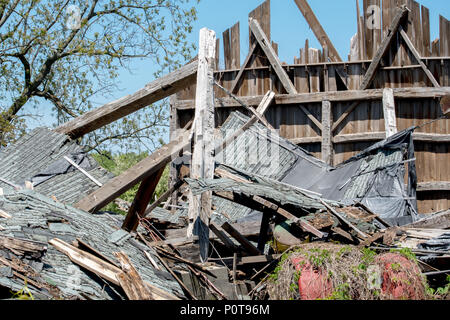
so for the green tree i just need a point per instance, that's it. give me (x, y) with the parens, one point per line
(69, 51)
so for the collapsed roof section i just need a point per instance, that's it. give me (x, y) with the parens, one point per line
(37, 219)
(375, 177)
(39, 157)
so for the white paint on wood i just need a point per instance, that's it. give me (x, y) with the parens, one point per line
(202, 165)
(390, 120)
(327, 144)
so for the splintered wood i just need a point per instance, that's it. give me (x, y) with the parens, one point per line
(202, 157)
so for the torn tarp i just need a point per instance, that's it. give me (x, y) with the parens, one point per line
(62, 166)
(374, 177)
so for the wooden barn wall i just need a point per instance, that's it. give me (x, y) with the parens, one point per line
(310, 73)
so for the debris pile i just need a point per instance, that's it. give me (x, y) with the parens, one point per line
(248, 214)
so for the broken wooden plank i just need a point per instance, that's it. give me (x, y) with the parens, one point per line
(125, 181)
(275, 62)
(82, 245)
(248, 246)
(304, 225)
(418, 57)
(21, 246)
(318, 30)
(141, 200)
(181, 283)
(343, 220)
(88, 261)
(163, 197)
(76, 166)
(130, 280)
(110, 112)
(103, 269)
(371, 239)
(178, 258)
(258, 259)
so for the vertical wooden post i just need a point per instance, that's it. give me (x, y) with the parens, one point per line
(174, 126)
(202, 165)
(327, 145)
(267, 214)
(389, 112)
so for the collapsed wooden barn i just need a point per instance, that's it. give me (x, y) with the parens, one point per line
(359, 117)
(334, 108)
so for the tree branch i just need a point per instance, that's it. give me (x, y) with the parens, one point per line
(49, 95)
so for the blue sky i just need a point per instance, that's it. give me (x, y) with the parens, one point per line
(289, 30)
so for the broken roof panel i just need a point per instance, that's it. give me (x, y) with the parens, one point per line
(38, 218)
(39, 157)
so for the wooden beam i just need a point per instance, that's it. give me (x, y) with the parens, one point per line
(130, 280)
(305, 226)
(237, 80)
(434, 186)
(390, 120)
(264, 229)
(327, 142)
(318, 97)
(202, 165)
(311, 117)
(223, 237)
(319, 32)
(370, 74)
(343, 220)
(438, 220)
(418, 57)
(125, 181)
(21, 245)
(264, 43)
(376, 136)
(163, 197)
(359, 137)
(247, 245)
(431, 137)
(110, 112)
(88, 261)
(306, 140)
(141, 201)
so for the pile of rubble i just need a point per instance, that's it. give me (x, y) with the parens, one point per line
(283, 225)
